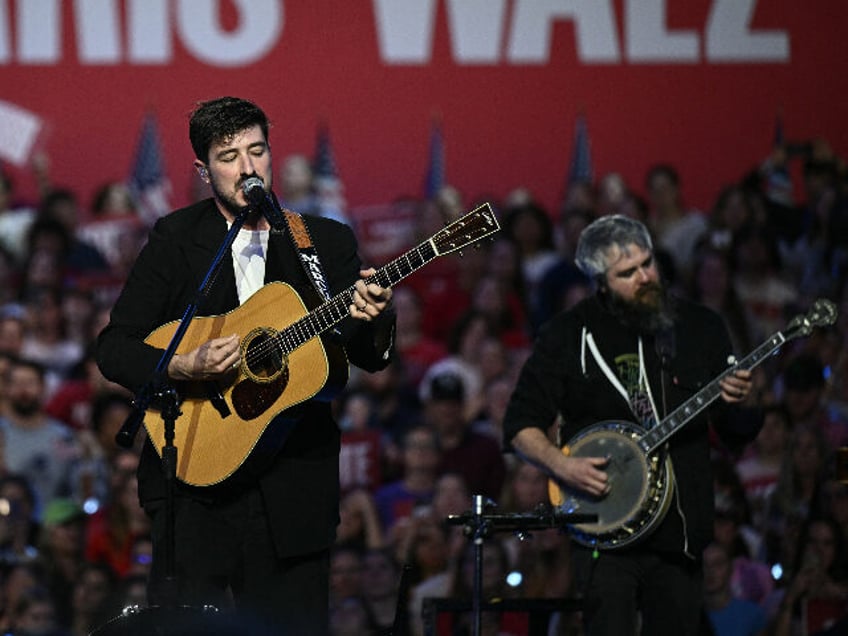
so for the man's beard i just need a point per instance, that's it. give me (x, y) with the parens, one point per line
(651, 312)
(25, 407)
(227, 200)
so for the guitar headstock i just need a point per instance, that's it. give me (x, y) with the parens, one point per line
(822, 314)
(479, 223)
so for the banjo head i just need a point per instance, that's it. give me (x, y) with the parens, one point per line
(639, 493)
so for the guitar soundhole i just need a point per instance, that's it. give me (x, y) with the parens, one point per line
(263, 356)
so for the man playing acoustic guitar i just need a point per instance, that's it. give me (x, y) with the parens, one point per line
(630, 353)
(258, 533)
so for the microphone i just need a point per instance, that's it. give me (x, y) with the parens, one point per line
(261, 201)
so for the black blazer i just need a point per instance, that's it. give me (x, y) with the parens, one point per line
(300, 481)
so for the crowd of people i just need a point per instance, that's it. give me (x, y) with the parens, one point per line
(75, 542)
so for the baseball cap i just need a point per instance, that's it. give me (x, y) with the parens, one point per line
(447, 387)
(62, 511)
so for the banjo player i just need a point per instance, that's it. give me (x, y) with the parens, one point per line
(631, 352)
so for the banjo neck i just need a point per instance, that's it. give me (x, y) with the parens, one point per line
(684, 413)
(822, 313)
(644, 479)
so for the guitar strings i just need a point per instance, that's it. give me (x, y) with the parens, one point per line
(305, 325)
(265, 348)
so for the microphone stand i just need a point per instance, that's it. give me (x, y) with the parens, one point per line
(478, 525)
(159, 392)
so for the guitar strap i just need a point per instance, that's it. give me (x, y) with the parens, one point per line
(307, 252)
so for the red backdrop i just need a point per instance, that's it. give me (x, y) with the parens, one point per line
(698, 84)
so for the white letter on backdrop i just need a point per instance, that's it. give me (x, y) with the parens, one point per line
(648, 40)
(149, 32)
(476, 29)
(594, 30)
(39, 31)
(97, 27)
(259, 25)
(730, 38)
(405, 30)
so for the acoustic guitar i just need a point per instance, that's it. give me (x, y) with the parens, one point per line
(639, 470)
(285, 360)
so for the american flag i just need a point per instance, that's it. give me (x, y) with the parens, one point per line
(581, 156)
(147, 182)
(778, 180)
(435, 179)
(324, 162)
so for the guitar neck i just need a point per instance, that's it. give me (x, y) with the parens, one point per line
(684, 413)
(333, 311)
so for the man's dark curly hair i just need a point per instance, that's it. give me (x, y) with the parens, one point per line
(219, 120)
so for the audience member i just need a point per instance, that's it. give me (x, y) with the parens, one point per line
(420, 460)
(804, 394)
(475, 456)
(115, 228)
(36, 446)
(17, 579)
(525, 489)
(416, 350)
(530, 228)
(61, 550)
(73, 400)
(677, 230)
(765, 296)
(13, 328)
(712, 285)
(802, 472)
(351, 617)
(759, 469)
(345, 572)
(114, 528)
(731, 212)
(34, 614)
(729, 616)
(380, 579)
(46, 340)
(80, 258)
(18, 526)
(9, 274)
(816, 594)
(296, 192)
(563, 278)
(90, 598)
(359, 522)
(751, 578)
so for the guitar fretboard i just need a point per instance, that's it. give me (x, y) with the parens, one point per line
(332, 312)
(658, 435)
(479, 223)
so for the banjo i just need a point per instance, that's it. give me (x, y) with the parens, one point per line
(641, 476)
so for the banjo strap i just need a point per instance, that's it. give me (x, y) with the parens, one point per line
(646, 419)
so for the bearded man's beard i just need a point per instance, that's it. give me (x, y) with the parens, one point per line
(650, 312)
(24, 407)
